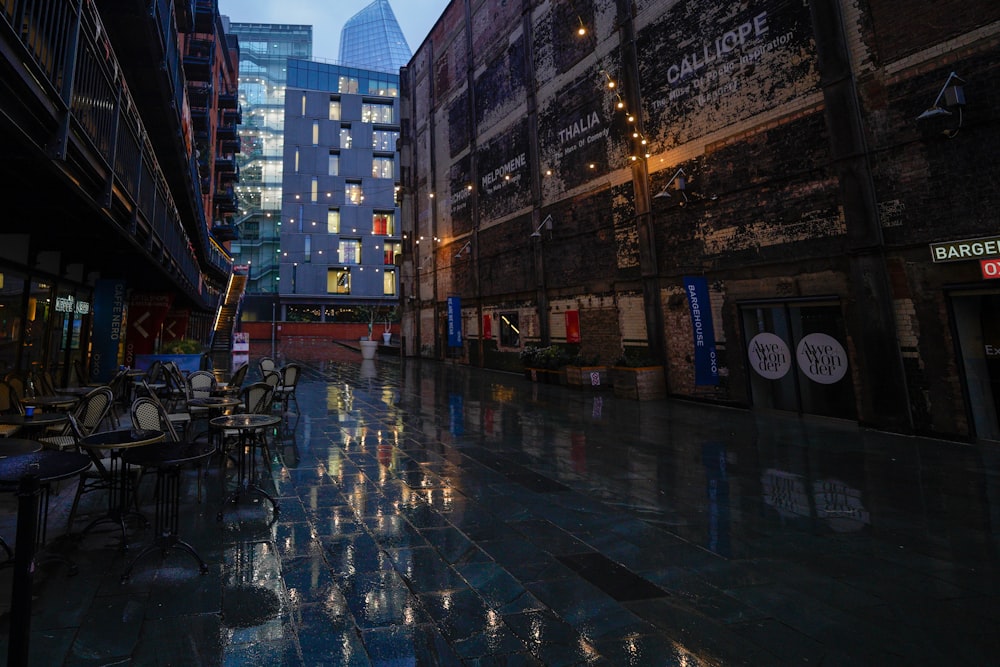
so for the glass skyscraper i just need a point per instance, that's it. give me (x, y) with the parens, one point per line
(371, 39)
(264, 53)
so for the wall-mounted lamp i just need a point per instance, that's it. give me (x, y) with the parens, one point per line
(679, 181)
(546, 223)
(466, 249)
(951, 96)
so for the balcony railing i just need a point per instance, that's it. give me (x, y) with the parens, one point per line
(106, 120)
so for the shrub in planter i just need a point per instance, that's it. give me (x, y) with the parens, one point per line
(638, 378)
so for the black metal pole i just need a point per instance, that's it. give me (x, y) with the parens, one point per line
(28, 492)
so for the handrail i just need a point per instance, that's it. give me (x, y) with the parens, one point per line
(88, 83)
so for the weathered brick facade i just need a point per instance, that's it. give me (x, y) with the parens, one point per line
(811, 193)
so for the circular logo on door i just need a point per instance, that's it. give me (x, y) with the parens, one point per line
(821, 358)
(769, 356)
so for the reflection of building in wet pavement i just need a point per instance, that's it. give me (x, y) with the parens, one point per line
(838, 504)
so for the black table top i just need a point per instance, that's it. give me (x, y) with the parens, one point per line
(38, 419)
(213, 402)
(122, 438)
(16, 446)
(47, 465)
(245, 421)
(165, 454)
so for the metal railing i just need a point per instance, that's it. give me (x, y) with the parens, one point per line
(71, 57)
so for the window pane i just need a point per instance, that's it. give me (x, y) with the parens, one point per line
(389, 283)
(334, 109)
(345, 136)
(333, 221)
(510, 335)
(382, 167)
(384, 140)
(383, 223)
(338, 281)
(315, 133)
(350, 251)
(334, 169)
(353, 193)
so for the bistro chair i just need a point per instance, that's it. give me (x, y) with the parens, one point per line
(285, 391)
(86, 418)
(9, 405)
(179, 419)
(265, 365)
(236, 381)
(149, 414)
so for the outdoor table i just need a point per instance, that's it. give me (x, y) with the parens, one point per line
(213, 405)
(247, 425)
(55, 402)
(167, 458)
(37, 422)
(76, 391)
(45, 466)
(16, 446)
(115, 471)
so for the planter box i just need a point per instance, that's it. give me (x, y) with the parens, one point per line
(588, 377)
(644, 383)
(188, 363)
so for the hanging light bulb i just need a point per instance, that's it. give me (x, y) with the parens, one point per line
(582, 30)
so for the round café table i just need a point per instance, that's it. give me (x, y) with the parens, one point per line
(76, 391)
(46, 466)
(36, 423)
(214, 406)
(249, 427)
(114, 471)
(168, 459)
(55, 402)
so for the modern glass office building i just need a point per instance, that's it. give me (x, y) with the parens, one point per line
(264, 52)
(372, 39)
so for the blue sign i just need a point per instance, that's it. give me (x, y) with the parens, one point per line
(706, 363)
(108, 332)
(454, 321)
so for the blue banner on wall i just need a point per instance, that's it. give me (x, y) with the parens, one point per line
(706, 365)
(454, 321)
(109, 314)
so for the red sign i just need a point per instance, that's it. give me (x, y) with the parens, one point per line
(990, 268)
(572, 326)
(146, 312)
(487, 327)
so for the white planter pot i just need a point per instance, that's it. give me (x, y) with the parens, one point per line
(386, 337)
(368, 349)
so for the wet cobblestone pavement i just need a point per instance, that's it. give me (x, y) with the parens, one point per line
(432, 514)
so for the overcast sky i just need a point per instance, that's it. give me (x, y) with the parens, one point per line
(327, 17)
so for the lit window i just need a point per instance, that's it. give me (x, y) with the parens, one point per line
(383, 223)
(389, 283)
(345, 136)
(373, 112)
(307, 248)
(334, 109)
(353, 193)
(384, 140)
(393, 253)
(383, 167)
(334, 168)
(338, 281)
(333, 221)
(315, 133)
(350, 251)
(314, 190)
(303, 112)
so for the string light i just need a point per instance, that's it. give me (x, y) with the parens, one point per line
(582, 30)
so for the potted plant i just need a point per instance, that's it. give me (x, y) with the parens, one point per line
(545, 364)
(638, 378)
(369, 346)
(390, 316)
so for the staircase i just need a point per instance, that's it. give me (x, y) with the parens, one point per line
(225, 322)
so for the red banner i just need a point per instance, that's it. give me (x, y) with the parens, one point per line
(487, 327)
(146, 312)
(572, 326)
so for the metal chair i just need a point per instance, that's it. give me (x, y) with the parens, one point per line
(86, 418)
(265, 365)
(236, 381)
(9, 405)
(285, 391)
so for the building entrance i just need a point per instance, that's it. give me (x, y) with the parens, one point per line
(797, 358)
(977, 324)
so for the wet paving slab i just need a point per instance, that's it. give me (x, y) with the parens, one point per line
(434, 514)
